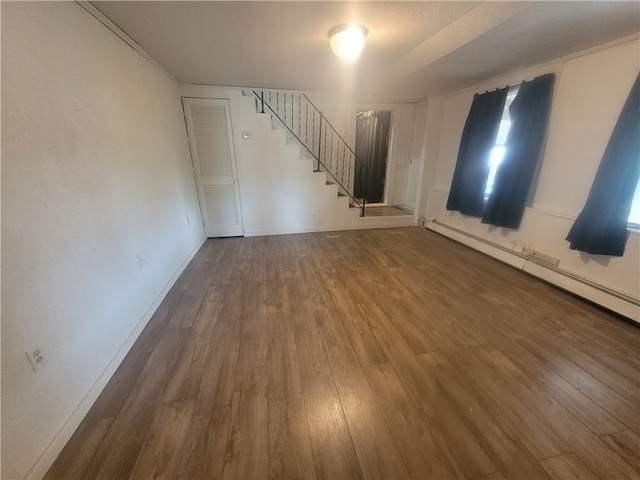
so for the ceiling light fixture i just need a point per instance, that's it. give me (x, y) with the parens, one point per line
(347, 41)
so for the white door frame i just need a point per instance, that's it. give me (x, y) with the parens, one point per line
(218, 191)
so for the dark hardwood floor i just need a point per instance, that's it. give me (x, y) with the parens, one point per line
(392, 353)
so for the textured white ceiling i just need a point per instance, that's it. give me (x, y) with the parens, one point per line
(414, 49)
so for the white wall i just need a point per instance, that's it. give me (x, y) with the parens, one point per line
(95, 169)
(279, 191)
(429, 159)
(590, 90)
(339, 110)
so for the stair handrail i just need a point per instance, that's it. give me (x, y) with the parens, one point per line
(318, 155)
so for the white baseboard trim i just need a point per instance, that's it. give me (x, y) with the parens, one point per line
(49, 456)
(362, 223)
(565, 280)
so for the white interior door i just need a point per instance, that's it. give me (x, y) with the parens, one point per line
(415, 158)
(413, 175)
(214, 162)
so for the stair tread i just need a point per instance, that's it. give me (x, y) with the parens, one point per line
(290, 140)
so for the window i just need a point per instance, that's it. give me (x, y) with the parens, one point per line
(599, 228)
(525, 120)
(497, 153)
(634, 216)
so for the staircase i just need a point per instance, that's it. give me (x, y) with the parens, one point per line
(307, 127)
(322, 156)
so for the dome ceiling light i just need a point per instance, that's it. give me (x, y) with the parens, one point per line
(347, 41)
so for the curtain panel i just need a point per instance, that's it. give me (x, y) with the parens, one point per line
(472, 166)
(529, 114)
(372, 147)
(601, 227)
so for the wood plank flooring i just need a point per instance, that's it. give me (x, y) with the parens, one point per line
(386, 354)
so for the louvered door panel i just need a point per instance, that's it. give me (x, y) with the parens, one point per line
(209, 125)
(211, 137)
(220, 201)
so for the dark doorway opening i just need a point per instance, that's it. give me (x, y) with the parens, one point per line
(372, 147)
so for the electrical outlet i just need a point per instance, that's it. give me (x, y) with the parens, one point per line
(143, 258)
(36, 359)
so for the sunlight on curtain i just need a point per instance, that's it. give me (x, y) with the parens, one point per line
(634, 216)
(497, 153)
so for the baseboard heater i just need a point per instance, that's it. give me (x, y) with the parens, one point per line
(541, 259)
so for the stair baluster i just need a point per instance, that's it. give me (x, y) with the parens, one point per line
(331, 160)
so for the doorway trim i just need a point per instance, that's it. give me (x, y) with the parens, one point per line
(373, 167)
(392, 160)
(222, 184)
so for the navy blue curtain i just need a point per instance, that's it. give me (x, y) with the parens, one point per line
(372, 147)
(601, 227)
(472, 167)
(529, 114)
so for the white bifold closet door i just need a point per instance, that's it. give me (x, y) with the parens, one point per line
(214, 163)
